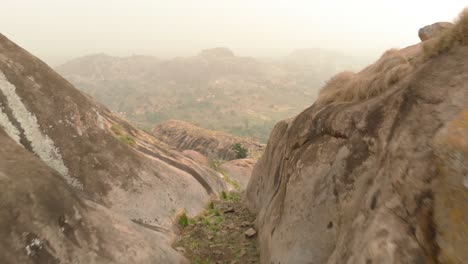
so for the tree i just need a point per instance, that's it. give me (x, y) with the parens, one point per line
(240, 151)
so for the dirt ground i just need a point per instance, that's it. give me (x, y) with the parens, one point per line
(217, 236)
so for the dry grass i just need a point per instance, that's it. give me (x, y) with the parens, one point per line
(373, 80)
(456, 36)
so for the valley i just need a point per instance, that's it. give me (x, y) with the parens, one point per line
(215, 90)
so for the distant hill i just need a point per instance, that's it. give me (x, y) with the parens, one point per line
(215, 89)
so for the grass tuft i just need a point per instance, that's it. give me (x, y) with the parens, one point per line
(390, 69)
(183, 220)
(122, 135)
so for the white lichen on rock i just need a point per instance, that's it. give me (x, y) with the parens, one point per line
(41, 144)
(34, 246)
(8, 127)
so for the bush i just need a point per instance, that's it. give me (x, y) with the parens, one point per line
(183, 220)
(240, 151)
(122, 135)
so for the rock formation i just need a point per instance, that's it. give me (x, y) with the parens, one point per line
(433, 30)
(213, 144)
(375, 170)
(79, 183)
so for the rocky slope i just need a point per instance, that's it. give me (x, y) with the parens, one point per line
(375, 170)
(213, 144)
(216, 89)
(75, 178)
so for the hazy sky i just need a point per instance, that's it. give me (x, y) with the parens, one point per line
(58, 30)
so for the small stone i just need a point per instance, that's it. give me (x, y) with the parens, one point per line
(181, 250)
(210, 237)
(229, 210)
(242, 253)
(245, 224)
(250, 233)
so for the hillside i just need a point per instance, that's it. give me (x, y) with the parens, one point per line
(79, 184)
(375, 170)
(216, 89)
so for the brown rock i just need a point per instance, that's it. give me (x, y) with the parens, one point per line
(97, 155)
(250, 233)
(433, 30)
(245, 224)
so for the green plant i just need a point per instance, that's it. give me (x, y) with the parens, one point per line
(183, 220)
(204, 261)
(122, 135)
(241, 152)
(224, 195)
(216, 165)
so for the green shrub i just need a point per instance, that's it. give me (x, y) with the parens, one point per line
(224, 195)
(241, 152)
(183, 220)
(122, 135)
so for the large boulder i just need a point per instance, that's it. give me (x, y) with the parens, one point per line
(105, 161)
(353, 179)
(433, 30)
(43, 220)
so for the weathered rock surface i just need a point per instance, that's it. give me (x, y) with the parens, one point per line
(433, 30)
(356, 182)
(239, 170)
(43, 220)
(213, 144)
(127, 171)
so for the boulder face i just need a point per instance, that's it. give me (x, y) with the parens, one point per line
(239, 171)
(433, 30)
(121, 170)
(43, 220)
(379, 177)
(213, 144)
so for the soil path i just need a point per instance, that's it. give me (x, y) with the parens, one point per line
(218, 236)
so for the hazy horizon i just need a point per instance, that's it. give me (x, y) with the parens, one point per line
(57, 31)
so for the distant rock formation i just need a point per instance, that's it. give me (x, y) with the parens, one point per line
(213, 144)
(433, 30)
(78, 182)
(376, 172)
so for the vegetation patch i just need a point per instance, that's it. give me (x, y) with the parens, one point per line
(217, 235)
(389, 70)
(241, 152)
(123, 136)
(216, 165)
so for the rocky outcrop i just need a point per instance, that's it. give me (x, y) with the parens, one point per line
(372, 174)
(239, 171)
(124, 173)
(433, 30)
(43, 220)
(213, 144)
